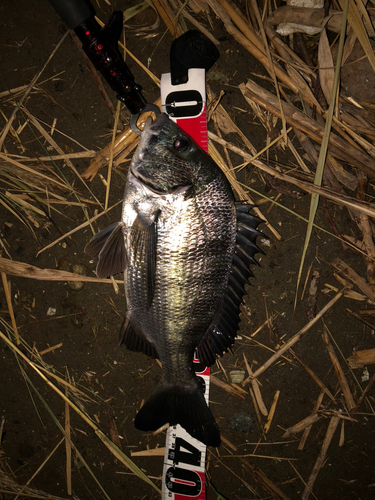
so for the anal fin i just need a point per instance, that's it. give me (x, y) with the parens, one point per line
(134, 339)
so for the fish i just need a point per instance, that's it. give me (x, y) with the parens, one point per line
(185, 247)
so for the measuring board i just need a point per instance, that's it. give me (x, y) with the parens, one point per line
(185, 456)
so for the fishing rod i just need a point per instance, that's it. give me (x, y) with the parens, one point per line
(183, 97)
(101, 47)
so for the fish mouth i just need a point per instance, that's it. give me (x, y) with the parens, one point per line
(143, 156)
(151, 128)
(156, 126)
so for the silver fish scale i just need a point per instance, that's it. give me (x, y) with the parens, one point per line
(195, 244)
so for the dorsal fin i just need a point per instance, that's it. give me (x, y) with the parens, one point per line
(220, 335)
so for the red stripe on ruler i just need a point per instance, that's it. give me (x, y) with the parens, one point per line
(196, 127)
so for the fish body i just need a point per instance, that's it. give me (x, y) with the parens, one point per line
(177, 244)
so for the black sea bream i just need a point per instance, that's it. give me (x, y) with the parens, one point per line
(185, 248)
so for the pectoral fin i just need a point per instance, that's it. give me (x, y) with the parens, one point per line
(143, 236)
(109, 246)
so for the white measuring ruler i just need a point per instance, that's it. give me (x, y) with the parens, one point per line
(185, 456)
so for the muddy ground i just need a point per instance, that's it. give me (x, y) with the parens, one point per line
(87, 321)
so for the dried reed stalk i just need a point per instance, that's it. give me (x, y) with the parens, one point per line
(264, 482)
(228, 443)
(306, 432)
(359, 318)
(256, 389)
(50, 349)
(28, 90)
(230, 389)
(81, 226)
(302, 425)
(232, 472)
(8, 299)
(155, 452)
(367, 312)
(319, 462)
(105, 440)
(256, 406)
(340, 374)
(247, 38)
(15, 268)
(200, 26)
(168, 17)
(359, 359)
(127, 139)
(308, 187)
(337, 146)
(54, 144)
(46, 180)
(255, 9)
(365, 392)
(316, 379)
(89, 153)
(294, 339)
(68, 448)
(354, 18)
(24, 490)
(351, 275)
(238, 188)
(267, 425)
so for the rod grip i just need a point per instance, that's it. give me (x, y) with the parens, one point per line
(72, 12)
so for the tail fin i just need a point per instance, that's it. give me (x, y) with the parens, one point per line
(189, 409)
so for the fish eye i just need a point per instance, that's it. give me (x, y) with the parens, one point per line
(182, 145)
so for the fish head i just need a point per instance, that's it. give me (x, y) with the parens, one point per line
(168, 160)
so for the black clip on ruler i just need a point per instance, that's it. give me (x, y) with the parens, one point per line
(183, 98)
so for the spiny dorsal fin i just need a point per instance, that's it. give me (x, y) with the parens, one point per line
(109, 246)
(220, 336)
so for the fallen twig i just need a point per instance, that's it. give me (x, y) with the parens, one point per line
(359, 318)
(230, 388)
(359, 359)
(350, 274)
(319, 462)
(365, 392)
(272, 412)
(294, 339)
(28, 271)
(28, 90)
(264, 482)
(256, 389)
(339, 372)
(302, 425)
(8, 298)
(306, 432)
